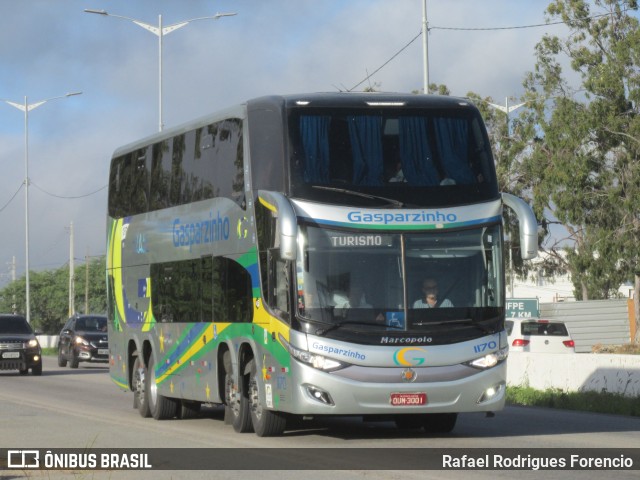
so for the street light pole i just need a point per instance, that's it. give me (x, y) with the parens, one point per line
(26, 107)
(160, 32)
(507, 109)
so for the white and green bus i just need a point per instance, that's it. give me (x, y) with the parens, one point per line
(273, 258)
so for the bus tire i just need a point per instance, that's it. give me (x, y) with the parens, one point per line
(161, 407)
(439, 422)
(188, 409)
(266, 423)
(236, 407)
(140, 399)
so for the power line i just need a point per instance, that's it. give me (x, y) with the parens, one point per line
(387, 62)
(67, 197)
(537, 25)
(11, 199)
(497, 28)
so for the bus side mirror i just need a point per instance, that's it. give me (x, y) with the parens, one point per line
(287, 221)
(528, 225)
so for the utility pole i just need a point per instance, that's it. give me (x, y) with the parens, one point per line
(86, 283)
(13, 268)
(72, 293)
(12, 274)
(425, 47)
(13, 279)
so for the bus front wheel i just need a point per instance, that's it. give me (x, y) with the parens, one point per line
(439, 422)
(236, 408)
(266, 423)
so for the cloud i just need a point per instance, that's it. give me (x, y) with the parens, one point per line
(280, 46)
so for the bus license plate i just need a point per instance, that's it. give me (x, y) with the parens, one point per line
(11, 355)
(408, 399)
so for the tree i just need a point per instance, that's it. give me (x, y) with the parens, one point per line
(49, 295)
(583, 168)
(95, 288)
(508, 146)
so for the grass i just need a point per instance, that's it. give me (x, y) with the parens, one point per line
(627, 349)
(596, 402)
(50, 352)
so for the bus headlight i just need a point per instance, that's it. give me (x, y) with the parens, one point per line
(312, 359)
(490, 360)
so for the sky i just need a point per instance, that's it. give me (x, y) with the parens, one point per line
(49, 48)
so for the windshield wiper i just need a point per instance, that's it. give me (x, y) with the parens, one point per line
(464, 321)
(333, 326)
(395, 203)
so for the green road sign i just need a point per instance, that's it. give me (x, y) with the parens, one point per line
(522, 307)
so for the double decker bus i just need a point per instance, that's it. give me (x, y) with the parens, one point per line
(277, 257)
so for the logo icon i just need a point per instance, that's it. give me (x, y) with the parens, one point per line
(23, 458)
(408, 375)
(409, 356)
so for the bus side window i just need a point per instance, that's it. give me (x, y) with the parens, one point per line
(232, 291)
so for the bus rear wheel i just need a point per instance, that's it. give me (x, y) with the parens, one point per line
(266, 423)
(140, 399)
(161, 407)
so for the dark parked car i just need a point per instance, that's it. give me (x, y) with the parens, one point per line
(83, 339)
(19, 347)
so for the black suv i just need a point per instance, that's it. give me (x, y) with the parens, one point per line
(83, 339)
(19, 347)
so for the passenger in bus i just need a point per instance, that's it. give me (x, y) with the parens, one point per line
(398, 175)
(355, 298)
(430, 296)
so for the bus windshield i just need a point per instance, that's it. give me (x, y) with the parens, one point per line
(403, 281)
(405, 153)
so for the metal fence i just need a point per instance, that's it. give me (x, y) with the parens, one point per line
(592, 322)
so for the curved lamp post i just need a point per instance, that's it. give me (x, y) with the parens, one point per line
(160, 32)
(26, 107)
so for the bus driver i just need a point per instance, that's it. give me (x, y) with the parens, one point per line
(430, 292)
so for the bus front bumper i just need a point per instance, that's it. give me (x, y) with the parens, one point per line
(359, 390)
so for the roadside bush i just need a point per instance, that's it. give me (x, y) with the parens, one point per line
(628, 349)
(597, 402)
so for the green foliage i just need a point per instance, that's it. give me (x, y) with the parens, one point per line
(598, 402)
(49, 295)
(581, 167)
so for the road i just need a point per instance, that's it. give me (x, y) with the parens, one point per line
(82, 408)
